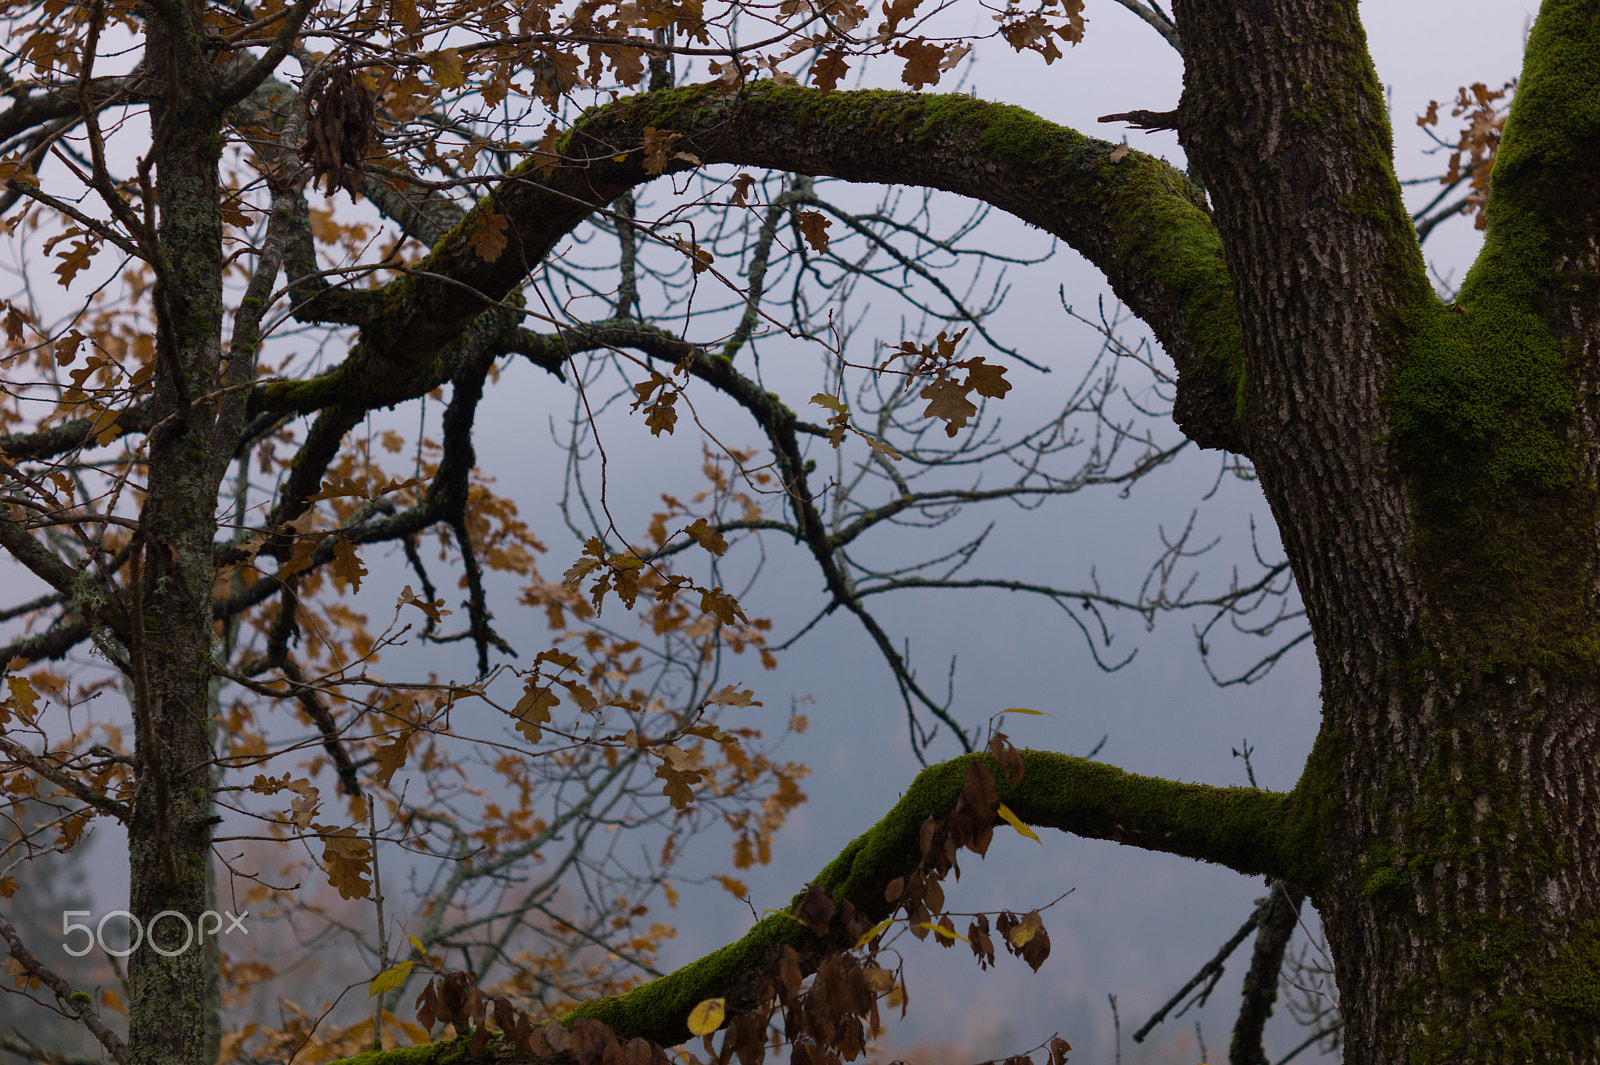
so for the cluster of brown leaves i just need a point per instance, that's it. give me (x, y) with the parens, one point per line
(454, 998)
(948, 398)
(341, 124)
(1473, 154)
(832, 1018)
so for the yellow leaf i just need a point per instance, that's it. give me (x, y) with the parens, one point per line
(105, 427)
(941, 930)
(869, 934)
(1015, 822)
(707, 1017)
(22, 696)
(1021, 710)
(390, 978)
(417, 944)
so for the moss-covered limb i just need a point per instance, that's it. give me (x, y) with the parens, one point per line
(1142, 222)
(1138, 219)
(1245, 829)
(1495, 407)
(1546, 169)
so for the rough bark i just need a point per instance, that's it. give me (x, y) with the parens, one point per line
(170, 635)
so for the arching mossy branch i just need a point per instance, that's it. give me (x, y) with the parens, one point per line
(1141, 221)
(1245, 829)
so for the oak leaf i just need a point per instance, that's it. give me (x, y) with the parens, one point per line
(707, 537)
(949, 401)
(346, 563)
(391, 756)
(814, 227)
(826, 72)
(447, 68)
(533, 709)
(986, 379)
(922, 62)
(349, 861)
(488, 237)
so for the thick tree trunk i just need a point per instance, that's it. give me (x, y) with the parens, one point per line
(1431, 470)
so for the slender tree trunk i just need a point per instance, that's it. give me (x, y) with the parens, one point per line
(188, 451)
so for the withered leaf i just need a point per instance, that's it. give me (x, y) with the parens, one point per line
(949, 401)
(488, 237)
(826, 72)
(814, 227)
(922, 62)
(816, 910)
(707, 537)
(348, 858)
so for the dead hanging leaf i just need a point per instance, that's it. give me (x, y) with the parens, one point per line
(948, 400)
(662, 416)
(741, 190)
(826, 72)
(447, 68)
(656, 148)
(25, 980)
(644, 389)
(677, 780)
(707, 537)
(816, 910)
(348, 858)
(839, 421)
(488, 237)
(985, 379)
(435, 610)
(1007, 757)
(16, 320)
(533, 709)
(732, 695)
(391, 756)
(559, 659)
(814, 227)
(922, 62)
(724, 606)
(347, 565)
(75, 259)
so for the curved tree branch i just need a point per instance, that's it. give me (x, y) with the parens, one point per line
(1246, 829)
